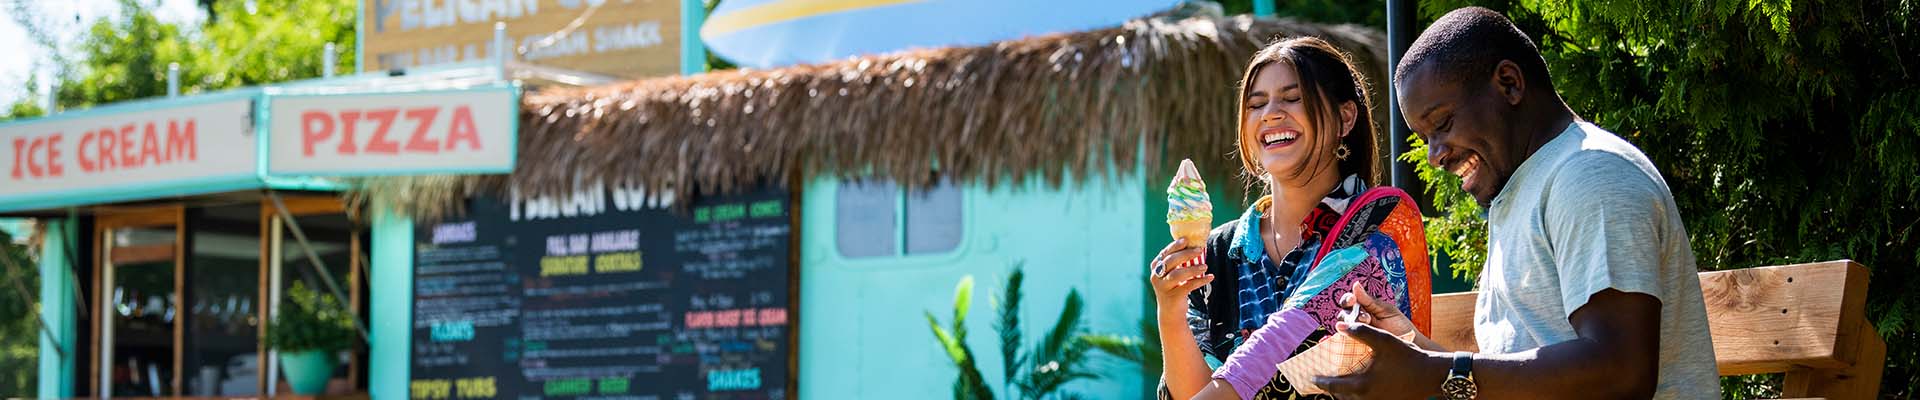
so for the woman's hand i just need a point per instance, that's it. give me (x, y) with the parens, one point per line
(1172, 276)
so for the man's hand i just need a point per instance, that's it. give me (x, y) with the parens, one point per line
(1383, 315)
(1398, 370)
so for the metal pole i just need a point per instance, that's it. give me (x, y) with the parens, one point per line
(173, 79)
(1263, 8)
(326, 61)
(693, 52)
(1400, 35)
(501, 52)
(53, 96)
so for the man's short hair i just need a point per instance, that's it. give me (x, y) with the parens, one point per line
(1467, 43)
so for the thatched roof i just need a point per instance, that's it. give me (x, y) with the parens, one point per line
(1057, 107)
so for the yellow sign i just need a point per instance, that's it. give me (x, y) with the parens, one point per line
(623, 38)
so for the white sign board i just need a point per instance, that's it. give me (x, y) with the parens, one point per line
(457, 131)
(151, 151)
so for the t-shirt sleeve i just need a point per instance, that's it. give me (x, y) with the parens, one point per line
(1602, 218)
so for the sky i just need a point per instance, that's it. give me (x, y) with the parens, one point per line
(68, 20)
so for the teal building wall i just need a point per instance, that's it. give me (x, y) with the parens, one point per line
(863, 332)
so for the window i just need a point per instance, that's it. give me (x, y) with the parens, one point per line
(185, 293)
(877, 218)
(863, 218)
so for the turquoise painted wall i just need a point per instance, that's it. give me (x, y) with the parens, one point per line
(390, 282)
(58, 310)
(862, 331)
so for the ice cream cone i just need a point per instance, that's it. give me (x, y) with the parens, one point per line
(1194, 231)
(1189, 209)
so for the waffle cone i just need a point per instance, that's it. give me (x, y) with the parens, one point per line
(1194, 231)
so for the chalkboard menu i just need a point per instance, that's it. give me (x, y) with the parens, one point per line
(605, 295)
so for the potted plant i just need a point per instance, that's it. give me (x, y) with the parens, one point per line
(309, 332)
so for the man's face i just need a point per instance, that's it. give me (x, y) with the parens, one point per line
(1466, 126)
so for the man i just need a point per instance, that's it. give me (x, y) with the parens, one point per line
(1589, 290)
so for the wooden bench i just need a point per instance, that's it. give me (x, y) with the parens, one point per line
(1806, 320)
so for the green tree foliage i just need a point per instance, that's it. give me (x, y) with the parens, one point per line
(243, 43)
(1786, 129)
(19, 319)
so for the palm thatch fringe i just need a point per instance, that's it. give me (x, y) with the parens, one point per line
(1057, 108)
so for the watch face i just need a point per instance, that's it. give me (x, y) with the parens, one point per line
(1459, 388)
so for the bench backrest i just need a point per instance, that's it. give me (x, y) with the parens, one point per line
(1808, 320)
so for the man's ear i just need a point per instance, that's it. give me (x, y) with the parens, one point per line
(1509, 82)
(1349, 113)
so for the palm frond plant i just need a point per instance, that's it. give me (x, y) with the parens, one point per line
(1041, 371)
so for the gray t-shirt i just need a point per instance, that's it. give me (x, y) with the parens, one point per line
(1586, 213)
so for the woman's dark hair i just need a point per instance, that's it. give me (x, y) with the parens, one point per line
(1327, 80)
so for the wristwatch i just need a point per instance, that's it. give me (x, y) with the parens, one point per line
(1459, 384)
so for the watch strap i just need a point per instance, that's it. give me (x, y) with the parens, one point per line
(1462, 365)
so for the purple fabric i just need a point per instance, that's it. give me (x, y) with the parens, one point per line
(1252, 365)
(1325, 306)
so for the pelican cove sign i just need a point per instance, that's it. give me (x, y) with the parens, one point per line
(624, 38)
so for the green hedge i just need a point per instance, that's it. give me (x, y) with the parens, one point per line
(1787, 129)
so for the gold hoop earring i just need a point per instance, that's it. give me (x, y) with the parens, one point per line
(1341, 152)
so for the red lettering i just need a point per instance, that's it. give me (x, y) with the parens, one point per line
(86, 164)
(33, 150)
(126, 149)
(53, 156)
(149, 146)
(699, 319)
(463, 129)
(107, 142)
(773, 316)
(419, 141)
(314, 127)
(379, 142)
(347, 121)
(19, 156)
(181, 142)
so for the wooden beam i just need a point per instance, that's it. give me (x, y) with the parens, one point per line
(1860, 381)
(99, 242)
(261, 300)
(1777, 319)
(359, 347)
(182, 313)
(1764, 320)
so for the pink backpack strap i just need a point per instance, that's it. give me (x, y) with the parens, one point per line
(1346, 218)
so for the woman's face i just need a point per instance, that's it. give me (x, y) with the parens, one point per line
(1275, 129)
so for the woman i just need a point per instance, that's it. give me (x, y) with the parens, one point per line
(1304, 134)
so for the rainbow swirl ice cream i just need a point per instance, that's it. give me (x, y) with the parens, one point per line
(1189, 209)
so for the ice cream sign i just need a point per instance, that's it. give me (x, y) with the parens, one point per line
(137, 147)
(461, 131)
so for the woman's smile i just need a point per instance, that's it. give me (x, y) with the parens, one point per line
(1275, 138)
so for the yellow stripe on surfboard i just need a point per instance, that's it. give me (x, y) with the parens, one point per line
(781, 11)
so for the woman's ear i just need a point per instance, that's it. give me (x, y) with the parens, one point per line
(1349, 114)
